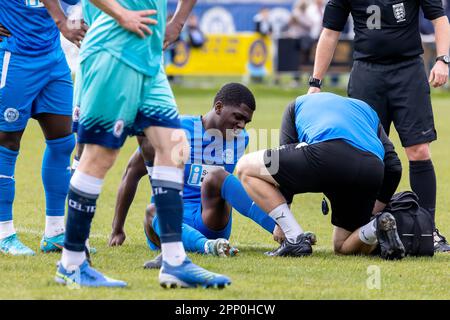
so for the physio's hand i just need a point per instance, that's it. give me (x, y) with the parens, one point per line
(73, 30)
(4, 32)
(278, 234)
(173, 30)
(439, 74)
(313, 90)
(137, 21)
(117, 238)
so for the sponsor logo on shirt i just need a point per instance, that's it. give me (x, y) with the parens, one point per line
(34, 3)
(199, 172)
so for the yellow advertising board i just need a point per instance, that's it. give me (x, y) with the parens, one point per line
(223, 55)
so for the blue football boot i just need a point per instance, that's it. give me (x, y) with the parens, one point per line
(13, 246)
(189, 275)
(52, 244)
(85, 276)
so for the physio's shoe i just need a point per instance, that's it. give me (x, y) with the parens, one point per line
(189, 275)
(13, 246)
(52, 244)
(155, 263)
(220, 247)
(440, 243)
(301, 247)
(390, 244)
(311, 236)
(85, 276)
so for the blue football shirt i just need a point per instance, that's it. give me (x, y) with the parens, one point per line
(326, 116)
(33, 31)
(208, 152)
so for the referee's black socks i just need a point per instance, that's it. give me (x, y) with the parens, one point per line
(423, 182)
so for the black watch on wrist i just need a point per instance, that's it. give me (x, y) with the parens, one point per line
(445, 59)
(314, 82)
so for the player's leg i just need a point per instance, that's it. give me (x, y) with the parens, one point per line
(105, 120)
(9, 151)
(220, 191)
(193, 240)
(53, 110)
(55, 176)
(258, 172)
(20, 83)
(159, 115)
(413, 119)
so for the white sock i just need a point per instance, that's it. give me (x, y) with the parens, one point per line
(75, 164)
(285, 219)
(6, 229)
(149, 171)
(368, 233)
(54, 226)
(86, 183)
(173, 253)
(72, 260)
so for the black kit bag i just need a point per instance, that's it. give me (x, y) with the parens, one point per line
(414, 224)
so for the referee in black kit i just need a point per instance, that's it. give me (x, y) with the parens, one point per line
(388, 73)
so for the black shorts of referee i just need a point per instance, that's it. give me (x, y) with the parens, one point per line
(349, 177)
(400, 94)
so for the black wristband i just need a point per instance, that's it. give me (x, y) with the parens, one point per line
(314, 82)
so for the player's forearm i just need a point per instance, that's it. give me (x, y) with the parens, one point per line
(55, 11)
(110, 7)
(325, 50)
(442, 34)
(184, 8)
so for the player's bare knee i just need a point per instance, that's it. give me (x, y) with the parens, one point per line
(150, 213)
(418, 152)
(213, 182)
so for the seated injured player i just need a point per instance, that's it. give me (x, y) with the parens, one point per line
(337, 146)
(218, 139)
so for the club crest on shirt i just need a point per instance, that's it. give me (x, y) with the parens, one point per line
(11, 115)
(399, 12)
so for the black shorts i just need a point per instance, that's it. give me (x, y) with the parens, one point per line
(399, 93)
(349, 177)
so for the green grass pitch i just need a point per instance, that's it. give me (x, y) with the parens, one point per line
(254, 276)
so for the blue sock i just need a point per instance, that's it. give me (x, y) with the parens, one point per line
(56, 174)
(193, 240)
(234, 193)
(169, 205)
(7, 183)
(81, 210)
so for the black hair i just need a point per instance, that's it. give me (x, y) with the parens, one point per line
(234, 94)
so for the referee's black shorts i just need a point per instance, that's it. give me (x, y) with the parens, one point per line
(399, 93)
(350, 178)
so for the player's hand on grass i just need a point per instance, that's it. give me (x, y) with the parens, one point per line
(4, 32)
(313, 90)
(137, 21)
(173, 30)
(73, 30)
(117, 238)
(278, 234)
(439, 74)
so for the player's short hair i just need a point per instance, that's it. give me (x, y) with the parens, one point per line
(234, 94)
